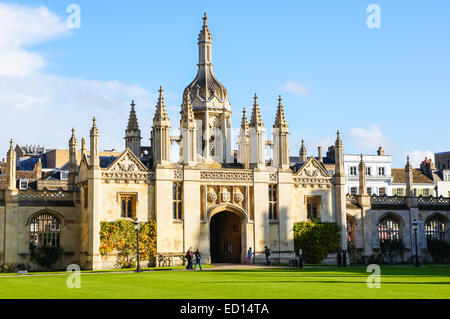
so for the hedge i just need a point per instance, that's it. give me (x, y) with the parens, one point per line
(316, 240)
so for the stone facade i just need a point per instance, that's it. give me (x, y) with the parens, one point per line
(215, 199)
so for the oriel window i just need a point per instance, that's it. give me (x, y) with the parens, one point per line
(177, 201)
(273, 196)
(128, 206)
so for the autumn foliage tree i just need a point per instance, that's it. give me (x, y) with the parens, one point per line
(119, 238)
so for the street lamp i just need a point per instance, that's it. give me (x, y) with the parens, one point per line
(415, 224)
(137, 227)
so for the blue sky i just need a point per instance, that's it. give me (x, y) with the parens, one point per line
(387, 86)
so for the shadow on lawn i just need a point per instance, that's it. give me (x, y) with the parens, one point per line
(325, 282)
(342, 272)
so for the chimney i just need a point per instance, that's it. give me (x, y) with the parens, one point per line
(319, 151)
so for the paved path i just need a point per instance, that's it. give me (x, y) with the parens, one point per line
(225, 266)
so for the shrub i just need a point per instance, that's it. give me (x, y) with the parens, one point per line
(316, 240)
(391, 249)
(438, 249)
(9, 267)
(119, 238)
(46, 256)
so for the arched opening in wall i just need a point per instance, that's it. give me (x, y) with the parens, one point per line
(45, 230)
(389, 228)
(436, 227)
(351, 238)
(225, 238)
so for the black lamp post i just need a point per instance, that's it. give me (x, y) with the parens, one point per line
(137, 227)
(415, 224)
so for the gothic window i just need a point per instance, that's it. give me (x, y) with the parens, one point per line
(353, 170)
(369, 191)
(382, 191)
(426, 192)
(400, 191)
(435, 227)
(388, 228)
(177, 202)
(128, 206)
(273, 214)
(354, 190)
(368, 171)
(381, 171)
(351, 229)
(45, 230)
(313, 207)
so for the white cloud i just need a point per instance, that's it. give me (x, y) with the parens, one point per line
(20, 27)
(417, 156)
(296, 88)
(41, 108)
(370, 139)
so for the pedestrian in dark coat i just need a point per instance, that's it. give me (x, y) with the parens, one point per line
(198, 259)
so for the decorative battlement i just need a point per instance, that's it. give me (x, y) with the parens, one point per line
(400, 202)
(433, 202)
(226, 176)
(46, 197)
(387, 200)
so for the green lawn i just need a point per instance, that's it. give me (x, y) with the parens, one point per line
(324, 282)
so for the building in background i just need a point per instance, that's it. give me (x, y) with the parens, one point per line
(378, 173)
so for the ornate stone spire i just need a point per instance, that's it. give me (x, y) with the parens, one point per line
(280, 120)
(187, 112)
(11, 167)
(338, 142)
(244, 123)
(73, 139)
(362, 177)
(132, 120)
(303, 153)
(94, 153)
(161, 112)
(205, 36)
(83, 146)
(256, 120)
(73, 160)
(160, 139)
(94, 129)
(133, 133)
(205, 86)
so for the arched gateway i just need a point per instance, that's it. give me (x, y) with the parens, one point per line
(227, 229)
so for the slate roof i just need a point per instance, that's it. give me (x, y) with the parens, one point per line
(419, 177)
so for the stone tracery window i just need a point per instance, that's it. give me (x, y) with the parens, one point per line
(273, 196)
(128, 206)
(177, 201)
(436, 227)
(45, 230)
(388, 228)
(313, 206)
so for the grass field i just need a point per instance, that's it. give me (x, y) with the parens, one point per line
(325, 282)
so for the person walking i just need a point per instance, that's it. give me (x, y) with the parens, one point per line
(249, 255)
(267, 252)
(189, 255)
(198, 259)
